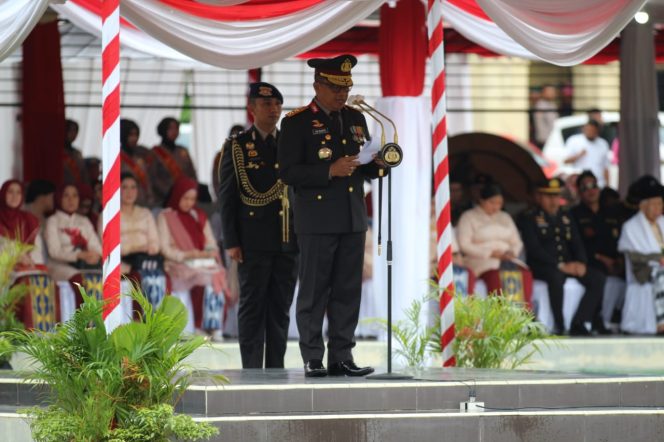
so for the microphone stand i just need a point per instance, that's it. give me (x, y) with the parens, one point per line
(391, 163)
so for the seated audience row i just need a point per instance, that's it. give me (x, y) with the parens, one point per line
(587, 243)
(178, 248)
(155, 170)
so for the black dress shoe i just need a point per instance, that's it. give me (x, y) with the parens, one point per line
(314, 369)
(600, 329)
(348, 368)
(577, 329)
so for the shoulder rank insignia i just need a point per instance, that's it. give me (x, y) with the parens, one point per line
(297, 111)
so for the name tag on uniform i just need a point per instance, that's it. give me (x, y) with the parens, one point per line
(318, 128)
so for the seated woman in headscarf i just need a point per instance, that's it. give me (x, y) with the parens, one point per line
(140, 243)
(490, 242)
(642, 242)
(74, 248)
(17, 224)
(38, 308)
(192, 258)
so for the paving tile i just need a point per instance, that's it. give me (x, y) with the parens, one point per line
(193, 402)
(32, 394)
(424, 430)
(329, 430)
(364, 399)
(553, 395)
(524, 428)
(603, 394)
(9, 394)
(253, 431)
(624, 428)
(498, 396)
(441, 397)
(230, 402)
(640, 394)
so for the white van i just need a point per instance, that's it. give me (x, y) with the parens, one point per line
(564, 127)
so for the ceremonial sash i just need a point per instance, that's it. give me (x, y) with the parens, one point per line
(136, 170)
(167, 160)
(75, 171)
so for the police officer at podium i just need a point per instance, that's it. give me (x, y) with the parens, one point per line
(555, 252)
(318, 157)
(256, 225)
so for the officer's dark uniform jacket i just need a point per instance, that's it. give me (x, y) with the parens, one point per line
(599, 232)
(310, 145)
(252, 196)
(550, 240)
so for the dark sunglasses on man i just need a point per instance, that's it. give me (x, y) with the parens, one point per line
(588, 186)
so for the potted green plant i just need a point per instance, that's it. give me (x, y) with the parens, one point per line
(493, 332)
(113, 387)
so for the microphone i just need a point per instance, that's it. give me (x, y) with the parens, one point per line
(390, 153)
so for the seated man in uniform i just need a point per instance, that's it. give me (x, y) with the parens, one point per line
(555, 252)
(599, 228)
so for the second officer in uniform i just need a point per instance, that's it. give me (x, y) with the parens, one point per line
(255, 218)
(555, 252)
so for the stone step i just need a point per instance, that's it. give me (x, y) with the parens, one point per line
(548, 426)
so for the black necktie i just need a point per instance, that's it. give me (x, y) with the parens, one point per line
(335, 122)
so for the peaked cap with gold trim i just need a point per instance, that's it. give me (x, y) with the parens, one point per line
(554, 186)
(264, 90)
(335, 70)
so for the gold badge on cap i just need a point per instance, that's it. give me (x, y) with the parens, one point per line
(347, 65)
(324, 153)
(265, 91)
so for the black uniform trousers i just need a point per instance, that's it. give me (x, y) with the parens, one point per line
(267, 283)
(330, 280)
(593, 281)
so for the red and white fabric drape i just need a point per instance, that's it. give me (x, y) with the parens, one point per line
(17, 18)
(246, 35)
(562, 32)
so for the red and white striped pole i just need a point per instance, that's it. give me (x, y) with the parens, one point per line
(441, 179)
(110, 36)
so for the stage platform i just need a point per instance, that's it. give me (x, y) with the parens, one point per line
(614, 354)
(282, 405)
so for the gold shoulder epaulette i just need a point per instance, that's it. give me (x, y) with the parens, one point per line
(296, 111)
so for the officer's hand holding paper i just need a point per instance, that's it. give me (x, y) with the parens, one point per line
(369, 152)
